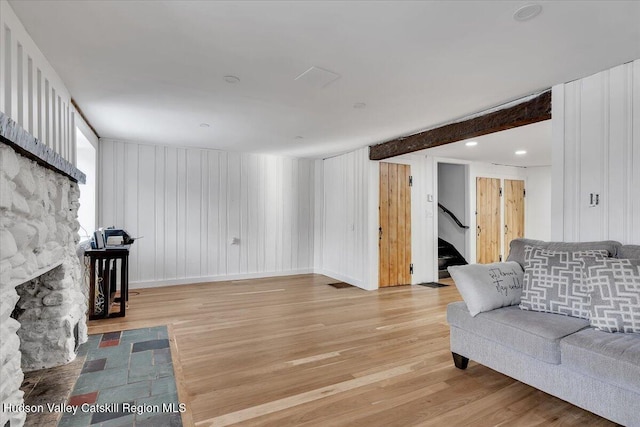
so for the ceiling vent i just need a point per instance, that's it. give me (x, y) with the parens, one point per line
(317, 77)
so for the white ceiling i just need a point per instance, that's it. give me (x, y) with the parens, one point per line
(153, 71)
(500, 147)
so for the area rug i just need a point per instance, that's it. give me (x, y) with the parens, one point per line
(127, 380)
(433, 285)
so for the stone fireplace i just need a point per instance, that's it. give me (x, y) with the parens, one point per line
(50, 311)
(43, 300)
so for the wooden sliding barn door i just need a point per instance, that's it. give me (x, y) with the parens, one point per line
(487, 220)
(395, 225)
(513, 212)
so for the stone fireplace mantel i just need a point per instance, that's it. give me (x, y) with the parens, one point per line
(25, 144)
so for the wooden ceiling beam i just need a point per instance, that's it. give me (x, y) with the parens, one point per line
(527, 112)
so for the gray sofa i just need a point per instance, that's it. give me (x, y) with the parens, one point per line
(560, 355)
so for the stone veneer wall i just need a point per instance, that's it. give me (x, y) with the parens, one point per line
(38, 231)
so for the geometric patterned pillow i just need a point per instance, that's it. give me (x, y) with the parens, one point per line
(614, 287)
(553, 281)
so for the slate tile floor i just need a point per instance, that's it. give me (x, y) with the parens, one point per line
(126, 380)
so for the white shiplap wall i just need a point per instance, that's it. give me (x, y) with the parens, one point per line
(596, 140)
(31, 93)
(346, 225)
(190, 203)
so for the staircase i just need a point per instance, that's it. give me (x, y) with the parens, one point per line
(448, 255)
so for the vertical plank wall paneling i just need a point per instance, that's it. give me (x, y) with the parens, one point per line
(31, 92)
(146, 190)
(190, 203)
(159, 211)
(598, 144)
(617, 213)
(169, 228)
(345, 251)
(130, 205)
(593, 144)
(635, 155)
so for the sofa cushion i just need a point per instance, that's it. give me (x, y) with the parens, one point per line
(553, 281)
(485, 287)
(535, 334)
(612, 358)
(614, 287)
(629, 252)
(516, 251)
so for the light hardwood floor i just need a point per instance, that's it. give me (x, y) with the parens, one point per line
(293, 351)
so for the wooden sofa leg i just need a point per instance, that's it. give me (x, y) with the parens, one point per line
(461, 362)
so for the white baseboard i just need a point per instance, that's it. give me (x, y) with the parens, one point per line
(202, 279)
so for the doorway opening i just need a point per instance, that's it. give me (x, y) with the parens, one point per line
(452, 216)
(494, 156)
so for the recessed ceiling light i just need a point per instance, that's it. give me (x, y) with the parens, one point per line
(231, 79)
(204, 125)
(527, 12)
(471, 143)
(521, 152)
(359, 105)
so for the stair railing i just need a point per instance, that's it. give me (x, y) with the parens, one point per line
(453, 216)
